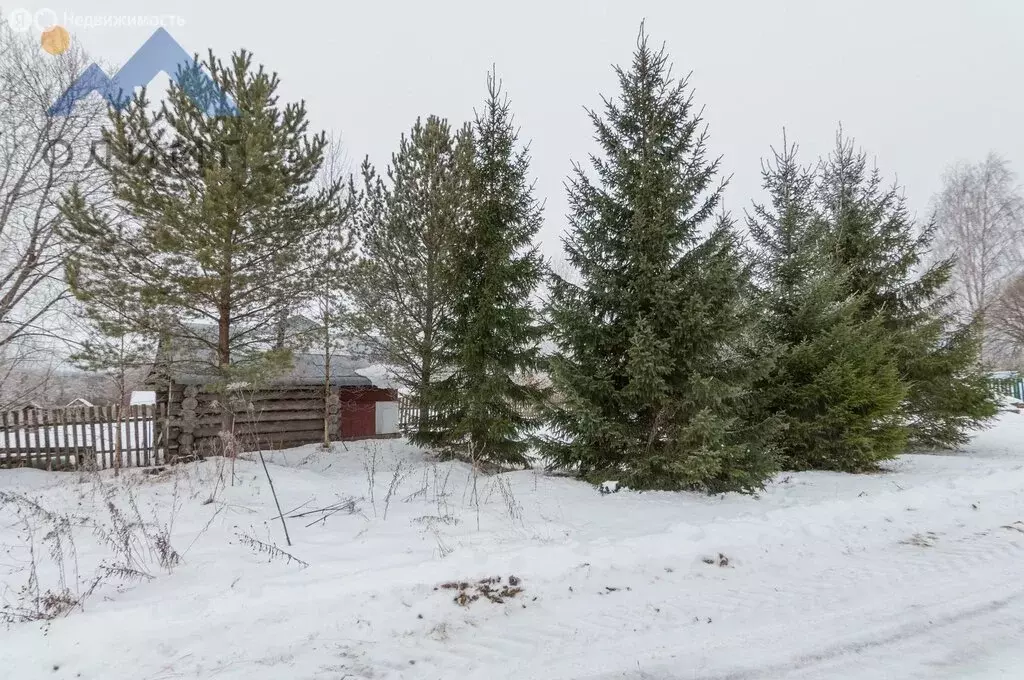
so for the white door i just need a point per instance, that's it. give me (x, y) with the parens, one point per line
(387, 417)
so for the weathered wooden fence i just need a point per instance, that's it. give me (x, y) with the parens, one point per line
(1013, 387)
(91, 437)
(409, 413)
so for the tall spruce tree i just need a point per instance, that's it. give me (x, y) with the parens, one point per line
(212, 216)
(407, 227)
(835, 387)
(876, 242)
(655, 360)
(493, 336)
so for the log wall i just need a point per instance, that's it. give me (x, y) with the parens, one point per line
(261, 420)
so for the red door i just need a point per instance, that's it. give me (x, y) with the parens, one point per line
(358, 419)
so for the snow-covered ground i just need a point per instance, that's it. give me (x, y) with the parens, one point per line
(914, 573)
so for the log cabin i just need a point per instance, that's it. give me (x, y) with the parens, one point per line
(309, 401)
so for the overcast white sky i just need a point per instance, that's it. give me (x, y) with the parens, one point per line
(919, 83)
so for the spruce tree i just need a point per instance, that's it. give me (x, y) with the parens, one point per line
(835, 387)
(493, 337)
(407, 227)
(876, 242)
(655, 361)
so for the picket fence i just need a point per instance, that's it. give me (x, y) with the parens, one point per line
(97, 437)
(1013, 387)
(409, 414)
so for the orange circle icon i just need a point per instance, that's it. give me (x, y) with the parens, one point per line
(56, 40)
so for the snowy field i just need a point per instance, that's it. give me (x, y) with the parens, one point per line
(914, 573)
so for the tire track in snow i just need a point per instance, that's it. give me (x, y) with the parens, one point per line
(893, 593)
(890, 637)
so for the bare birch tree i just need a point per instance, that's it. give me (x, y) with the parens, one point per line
(980, 219)
(40, 158)
(333, 262)
(1006, 322)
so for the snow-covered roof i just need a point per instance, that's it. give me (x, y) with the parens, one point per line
(380, 375)
(192, 361)
(307, 369)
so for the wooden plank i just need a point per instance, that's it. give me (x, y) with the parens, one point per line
(266, 395)
(270, 417)
(282, 440)
(116, 428)
(273, 405)
(127, 437)
(144, 416)
(17, 429)
(114, 437)
(55, 417)
(160, 421)
(95, 440)
(83, 432)
(148, 412)
(265, 428)
(69, 436)
(5, 424)
(76, 429)
(121, 431)
(147, 451)
(133, 415)
(32, 434)
(101, 440)
(43, 430)
(62, 415)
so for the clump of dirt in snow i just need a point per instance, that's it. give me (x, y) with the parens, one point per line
(925, 540)
(721, 560)
(489, 588)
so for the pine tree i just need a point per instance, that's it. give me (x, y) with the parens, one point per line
(655, 358)
(407, 227)
(211, 215)
(835, 387)
(876, 244)
(493, 338)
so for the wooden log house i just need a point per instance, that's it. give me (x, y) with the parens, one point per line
(291, 409)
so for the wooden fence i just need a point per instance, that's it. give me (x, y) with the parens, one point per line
(1013, 387)
(409, 413)
(91, 437)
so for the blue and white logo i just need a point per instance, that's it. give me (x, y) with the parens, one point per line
(161, 53)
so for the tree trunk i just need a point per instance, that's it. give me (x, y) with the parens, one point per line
(224, 363)
(327, 389)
